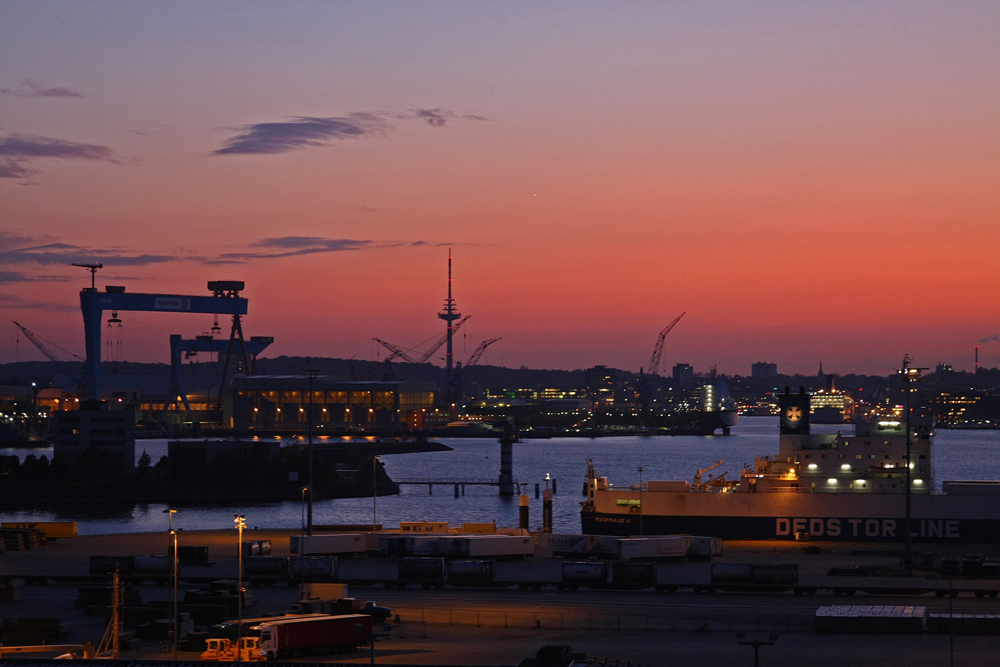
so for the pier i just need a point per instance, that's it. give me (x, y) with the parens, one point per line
(458, 483)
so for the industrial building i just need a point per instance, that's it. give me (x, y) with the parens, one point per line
(284, 402)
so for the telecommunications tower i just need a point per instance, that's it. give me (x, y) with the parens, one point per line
(449, 315)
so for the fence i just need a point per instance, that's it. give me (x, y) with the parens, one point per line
(679, 620)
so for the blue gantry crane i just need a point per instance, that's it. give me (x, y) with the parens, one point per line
(225, 300)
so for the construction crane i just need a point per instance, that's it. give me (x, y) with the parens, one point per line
(36, 340)
(474, 359)
(396, 351)
(404, 354)
(455, 390)
(653, 366)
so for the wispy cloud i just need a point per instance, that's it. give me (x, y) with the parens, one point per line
(63, 254)
(990, 339)
(363, 209)
(17, 149)
(307, 131)
(13, 239)
(290, 246)
(11, 277)
(31, 88)
(302, 132)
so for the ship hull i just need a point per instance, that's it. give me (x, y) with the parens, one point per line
(868, 518)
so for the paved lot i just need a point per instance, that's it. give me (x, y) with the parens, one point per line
(651, 629)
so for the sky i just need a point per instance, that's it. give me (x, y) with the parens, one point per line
(807, 182)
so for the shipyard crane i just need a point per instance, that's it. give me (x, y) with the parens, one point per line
(396, 351)
(459, 373)
(474, 359)
(701, 471)
(653, 366)
(36, 340)
(404, 354)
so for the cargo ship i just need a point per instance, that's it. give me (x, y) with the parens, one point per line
(818, 486)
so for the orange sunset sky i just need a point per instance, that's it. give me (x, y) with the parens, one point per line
(807, 181)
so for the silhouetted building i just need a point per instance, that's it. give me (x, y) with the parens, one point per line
(763, 369)
(683, 376)
(96, 430)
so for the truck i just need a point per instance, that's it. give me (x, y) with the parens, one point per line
(355, 606)
(290, 637)
(247, 649)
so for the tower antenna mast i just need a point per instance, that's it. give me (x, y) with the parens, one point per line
(449, 315)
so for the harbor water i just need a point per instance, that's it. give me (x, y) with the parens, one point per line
(957, 455)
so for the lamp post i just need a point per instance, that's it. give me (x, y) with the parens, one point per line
(302, 543)
(241, 523)
(375, 461)
(174, 605)
(640, 500)
(310, 375)
(909, 374)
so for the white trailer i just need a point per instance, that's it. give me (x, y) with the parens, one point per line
(496, 546)
(652, 548)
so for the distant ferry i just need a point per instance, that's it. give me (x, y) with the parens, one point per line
(823, 487)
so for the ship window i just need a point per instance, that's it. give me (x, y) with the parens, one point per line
(809, 456)
(871, 456)
(822, 456)
(923, 456)
(887, 456)
(858, 456)
(867, 442)
(843, 456)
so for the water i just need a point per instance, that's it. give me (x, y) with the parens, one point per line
(957, 455)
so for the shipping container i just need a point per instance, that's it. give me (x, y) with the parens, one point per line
(564, 543)
(588, 573)
(426, 571)
(50, 529)
(704, 548)
(265, 569)
(328, 545)
(731, 573)
(312, 568)
(325, 591)
(633, 575)
(422, 545)
(471, 571)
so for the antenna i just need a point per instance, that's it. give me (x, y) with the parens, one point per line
(93, 273)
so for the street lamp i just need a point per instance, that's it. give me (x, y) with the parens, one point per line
(909, 374)
(375, 461)
(176, 636)
(640, 500)
(241, 523)
(311, 375)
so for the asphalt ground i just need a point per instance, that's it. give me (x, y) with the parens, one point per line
(466, 626)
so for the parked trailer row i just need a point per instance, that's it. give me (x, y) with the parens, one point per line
(266, 570)
(605, 547)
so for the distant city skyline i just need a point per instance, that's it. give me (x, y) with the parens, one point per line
(807, 181)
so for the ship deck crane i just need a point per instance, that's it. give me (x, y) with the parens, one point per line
(701, 471)
(653, 365)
